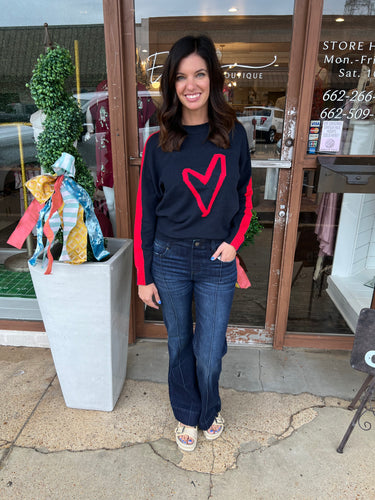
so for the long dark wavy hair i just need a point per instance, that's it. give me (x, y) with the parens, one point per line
(221, 116)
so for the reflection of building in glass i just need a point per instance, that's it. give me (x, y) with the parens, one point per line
(359, 7)
(21, 47)
(255, 59)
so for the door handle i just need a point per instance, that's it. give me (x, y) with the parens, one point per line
(289, 142)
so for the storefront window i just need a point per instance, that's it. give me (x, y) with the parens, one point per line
(343, 110)
(253, 47)
(334, 262)
(311, 306)
(334, 258)
(78, 27)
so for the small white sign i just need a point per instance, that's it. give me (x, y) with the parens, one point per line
(331, 136)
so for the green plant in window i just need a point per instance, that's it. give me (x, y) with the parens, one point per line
(63, 122)
(254, 228)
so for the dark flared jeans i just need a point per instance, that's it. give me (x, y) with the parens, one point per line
(183, 270)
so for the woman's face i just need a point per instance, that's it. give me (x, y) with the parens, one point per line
(193, 89)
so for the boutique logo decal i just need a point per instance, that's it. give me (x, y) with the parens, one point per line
(244, 66)
(153, 66)
(232, 71)
(218, 161)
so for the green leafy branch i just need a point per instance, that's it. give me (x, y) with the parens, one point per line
(254, 228)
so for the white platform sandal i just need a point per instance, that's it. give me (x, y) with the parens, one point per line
(191, 432)
(211, 436)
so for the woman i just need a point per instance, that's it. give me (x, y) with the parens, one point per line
(193, 209)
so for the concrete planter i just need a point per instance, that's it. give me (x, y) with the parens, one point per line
(85, 309)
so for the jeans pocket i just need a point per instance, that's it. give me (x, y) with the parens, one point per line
(160, 247)
(215, 245)
(225, 262)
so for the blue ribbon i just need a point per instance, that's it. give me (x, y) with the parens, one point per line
(43, 215)
(65, 166)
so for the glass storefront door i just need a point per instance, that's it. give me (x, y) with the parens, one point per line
(253, 43)
(334, 270)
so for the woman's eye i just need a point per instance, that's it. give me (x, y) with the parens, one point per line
(201, 75)
(179, 78)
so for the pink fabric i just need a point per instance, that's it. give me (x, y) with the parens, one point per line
(325, 227)
(242, 279)
(56, 202)
(25, 225)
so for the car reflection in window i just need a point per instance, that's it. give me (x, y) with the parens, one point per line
(269, 121)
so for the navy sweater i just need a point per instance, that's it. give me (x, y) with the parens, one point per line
(201, 191)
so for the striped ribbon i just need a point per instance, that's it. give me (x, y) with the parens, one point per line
(60, 202)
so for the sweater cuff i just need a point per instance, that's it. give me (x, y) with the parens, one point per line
(230, 241)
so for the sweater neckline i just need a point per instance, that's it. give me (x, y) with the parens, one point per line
(196, 129)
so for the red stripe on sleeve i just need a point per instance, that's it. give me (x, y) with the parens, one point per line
(138, 250)
(245, 222)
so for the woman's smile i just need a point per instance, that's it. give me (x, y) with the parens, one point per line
(193, 89)
(192, 97)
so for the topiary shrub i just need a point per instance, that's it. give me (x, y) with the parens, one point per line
(63, 123)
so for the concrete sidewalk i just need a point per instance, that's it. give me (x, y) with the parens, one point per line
(285, 412)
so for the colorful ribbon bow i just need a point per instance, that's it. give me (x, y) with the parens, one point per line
(60, 202)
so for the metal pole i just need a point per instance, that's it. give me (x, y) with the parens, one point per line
(78, 78)
(19, 261)
(29, 240)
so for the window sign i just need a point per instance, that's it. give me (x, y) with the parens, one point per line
(331, 136)
(344, 91)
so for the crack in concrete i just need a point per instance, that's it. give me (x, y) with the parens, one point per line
(213, 459)
(290, 426)
(46, 451)
(9, 450)
(260, 372)
(211, 486)
(236, 456)
(164, 458)
(278, 437)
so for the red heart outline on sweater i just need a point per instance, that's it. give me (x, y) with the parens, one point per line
(217, 158)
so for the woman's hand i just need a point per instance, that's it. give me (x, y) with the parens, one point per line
(225, 253)
(149, 295)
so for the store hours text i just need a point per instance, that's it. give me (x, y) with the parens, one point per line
(344, 47)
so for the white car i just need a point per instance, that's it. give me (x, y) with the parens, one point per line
(269, 121)
(249, 124)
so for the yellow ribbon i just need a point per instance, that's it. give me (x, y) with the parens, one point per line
(42, 187)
